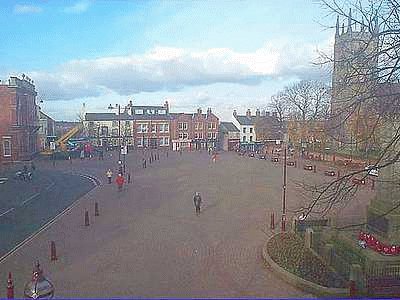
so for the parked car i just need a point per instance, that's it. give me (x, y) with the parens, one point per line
(290, 163)
(275, 159)
(308, 167)
(262, 156)
(356, 180)
(251, 154)
(373, 171)
(330, 173)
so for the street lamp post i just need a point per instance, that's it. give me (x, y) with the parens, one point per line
(119, 128)
(284, 185)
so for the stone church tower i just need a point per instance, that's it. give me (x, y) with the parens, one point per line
(355, 58)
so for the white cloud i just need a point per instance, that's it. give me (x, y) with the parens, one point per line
(27, 9)
(78, 7)
(172, 69)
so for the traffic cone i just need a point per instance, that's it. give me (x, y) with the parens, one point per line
(272, 221)
(96, 209)
(53, 253)
(10, 287)
(87, 218)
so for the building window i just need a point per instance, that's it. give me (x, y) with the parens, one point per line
(185, 135)
(7, 147)
(183, 126)
(153, 128)
(162, 112)
(166, 141)
(209, 135)
(138, 111)
(127, 123)
(214, 135)
(244, 129)
(140, 142)
(244, 139)
(161, 128)
(214, 125)
(166, 127)
(251, 129)
(209, 125)
(161, 141)
(180, 135)
(142, 128)
(200, 135)
(114, 132)
(114, 123)
(251, 138)
(104, 131)
(196, 136)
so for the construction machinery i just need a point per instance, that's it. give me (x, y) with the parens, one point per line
(61, 142)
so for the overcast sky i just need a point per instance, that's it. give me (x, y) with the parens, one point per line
(220, 54)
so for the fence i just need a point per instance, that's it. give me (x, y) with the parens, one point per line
(383, 281)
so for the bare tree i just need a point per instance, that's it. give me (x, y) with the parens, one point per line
(280, 106)
(365, 90)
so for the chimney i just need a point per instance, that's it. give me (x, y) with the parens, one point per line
(166, 105)
(257, 113)
(267, 113)
(234, 113)
(248, 113)
(199, 111)
(208, 112)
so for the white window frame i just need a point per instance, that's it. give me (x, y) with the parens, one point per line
(166, 127)
(185, 135)
(138, 111)
(166, 141)
(153, 126)
(7, 139)
(180, 135)
(161, 141)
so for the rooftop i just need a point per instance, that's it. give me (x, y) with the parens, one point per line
(228, 127)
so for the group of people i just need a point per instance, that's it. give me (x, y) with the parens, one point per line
(119, 180)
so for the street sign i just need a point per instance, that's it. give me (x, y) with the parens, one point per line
(124, 150)
(52, 146)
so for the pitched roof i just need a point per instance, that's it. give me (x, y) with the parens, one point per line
(244, 120)
(100, 116)
(228, 127)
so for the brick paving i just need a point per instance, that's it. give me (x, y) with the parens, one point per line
(148, 242)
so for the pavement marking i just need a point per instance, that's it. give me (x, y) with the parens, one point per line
(43, 228)
(6, 212)
(30, 198)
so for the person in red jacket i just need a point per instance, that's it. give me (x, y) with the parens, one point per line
(120, 181)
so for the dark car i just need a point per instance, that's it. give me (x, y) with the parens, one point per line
(262, 156)
(308, 167)
(275, 159)
(330, 173)
(356, 180)
(290, 163)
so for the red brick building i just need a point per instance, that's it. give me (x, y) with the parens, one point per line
(18, 120)
(194, 131)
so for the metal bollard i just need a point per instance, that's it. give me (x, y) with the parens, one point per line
(272, 221)
(87, 218)
(96, 209)
(53, 253)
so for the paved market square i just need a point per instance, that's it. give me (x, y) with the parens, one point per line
(148, 242)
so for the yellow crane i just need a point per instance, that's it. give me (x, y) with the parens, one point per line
(61, 141)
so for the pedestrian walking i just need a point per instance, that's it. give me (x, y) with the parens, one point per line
(144, 163)
(120, 181)
(197, 202)
(82, 155)
(109, 175)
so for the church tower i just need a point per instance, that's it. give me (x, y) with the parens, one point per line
(355, 58)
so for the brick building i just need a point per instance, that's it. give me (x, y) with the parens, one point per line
(229, 136)
(194, 131)
(18, 119)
